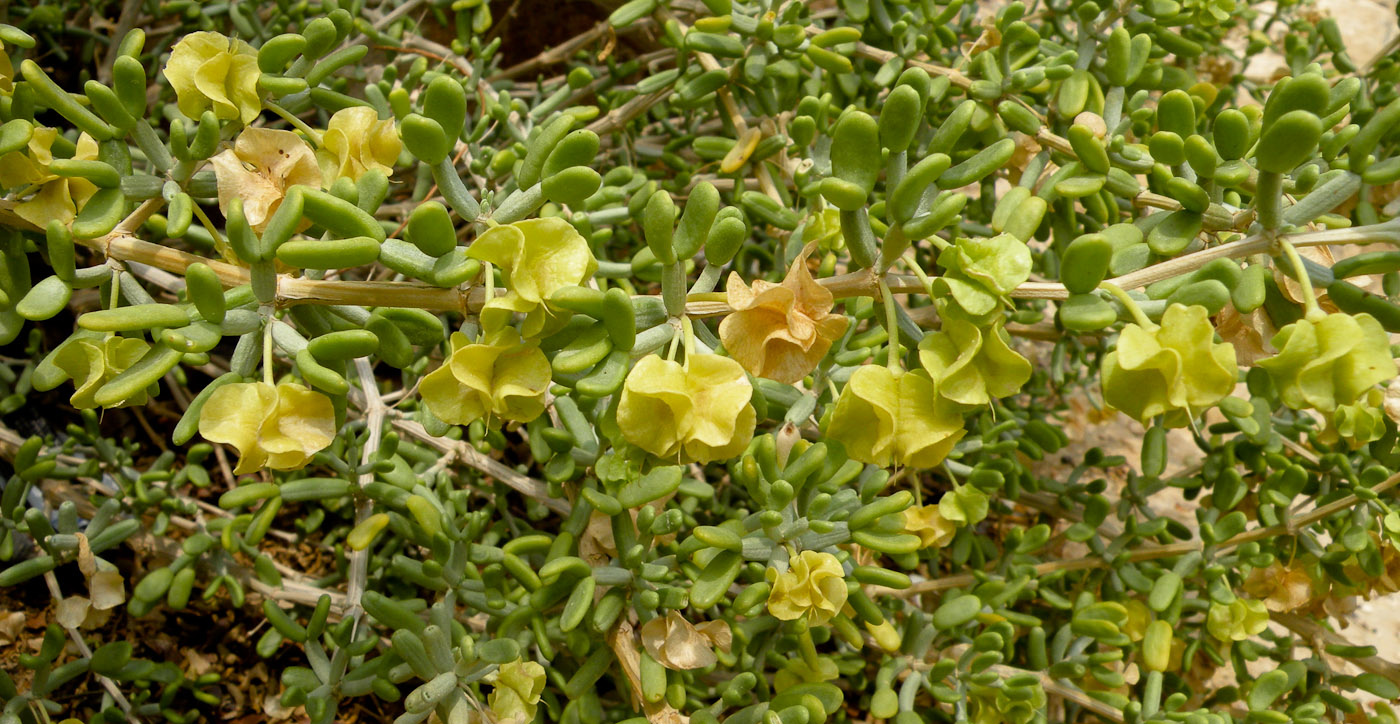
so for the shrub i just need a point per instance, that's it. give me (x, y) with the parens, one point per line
(449, 320)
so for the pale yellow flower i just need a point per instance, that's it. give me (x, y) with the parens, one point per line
(694, 413)
(1237, 620)
(356, 142)
(278, 427)
(260, 168)
(516, 696)
(884, 418)
(505, 378)
(540, 256)
(54, 196)
(91, 363)
(781, 331)
(814, 586)
(210, 71)
(933, 530)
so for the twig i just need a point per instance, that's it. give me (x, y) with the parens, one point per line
(125, 22)
(122, 244)
(1054, 687)
(1149, 553)
(563, 51)
(1314, 631)
(469, 456)
(619, 117)
(374, 432)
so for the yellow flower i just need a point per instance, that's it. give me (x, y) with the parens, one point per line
(540, 256)
(516, 695)
(933, 529)
(694, 413)
(679, 645)
(882, 417)
(506, 378)
(781, 331)
(355, 142)
(1176, 369)
(91, 363)
(972, 365)
(1332, 361)
(55, 197)
(279, 427)
(814, 586)
(262, 165)
(208, 70)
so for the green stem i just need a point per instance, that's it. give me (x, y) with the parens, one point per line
(1130, 303)
(688, 330)
(675, 344)
(673, 288)
(809, 650)
(708, 281)
(219, 243)
(1268, 199)
(919, 272)
(1313, 311)
(267, 349)
(891, 326)
(297, 123)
